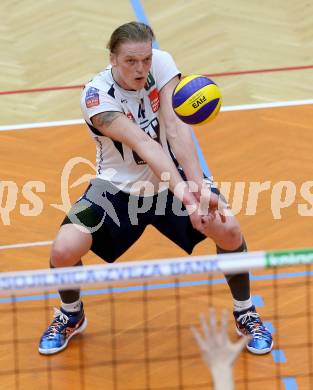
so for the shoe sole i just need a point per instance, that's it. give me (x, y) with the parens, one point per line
(254, 350)
(52, 351)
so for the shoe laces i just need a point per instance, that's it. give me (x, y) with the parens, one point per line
(60, 319)
(251, 321)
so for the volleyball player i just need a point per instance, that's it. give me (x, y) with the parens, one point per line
(148, 172)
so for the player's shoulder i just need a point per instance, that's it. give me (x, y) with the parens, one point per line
(162, 61)
(99, 91)
(160, 55)
(101, 81)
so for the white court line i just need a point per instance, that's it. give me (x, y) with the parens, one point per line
(255, 106)
(42, 124)
(25, 245)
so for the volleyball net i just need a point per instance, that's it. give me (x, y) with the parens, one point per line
(139, 318)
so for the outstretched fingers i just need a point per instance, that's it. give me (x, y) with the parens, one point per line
(198, 338)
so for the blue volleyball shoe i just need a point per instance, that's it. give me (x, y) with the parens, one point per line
(64, 326)
(248, 322)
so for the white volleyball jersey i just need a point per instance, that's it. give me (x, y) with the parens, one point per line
(116, 162)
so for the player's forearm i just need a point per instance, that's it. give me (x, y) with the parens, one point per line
(223, 378)
(160, 163)
(187, 157)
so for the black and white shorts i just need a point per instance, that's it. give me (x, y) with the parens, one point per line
(117, 219)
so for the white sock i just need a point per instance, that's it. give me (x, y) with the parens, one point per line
(71, 307)
(242, 305)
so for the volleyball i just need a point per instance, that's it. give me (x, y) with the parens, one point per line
(196, 100)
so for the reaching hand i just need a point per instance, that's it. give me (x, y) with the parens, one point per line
(214, 343)
(218, 351)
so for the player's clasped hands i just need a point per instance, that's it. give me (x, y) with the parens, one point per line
(209, 207)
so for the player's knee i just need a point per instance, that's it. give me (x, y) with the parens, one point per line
(62, 255)
(233, 235)
(234, 232)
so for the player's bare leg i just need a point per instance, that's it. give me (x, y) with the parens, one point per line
(70, 245)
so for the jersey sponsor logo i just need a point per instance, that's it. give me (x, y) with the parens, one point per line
(154, 100)
(150, 82)
(92, 97)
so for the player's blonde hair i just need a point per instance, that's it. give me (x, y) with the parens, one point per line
(130, 32)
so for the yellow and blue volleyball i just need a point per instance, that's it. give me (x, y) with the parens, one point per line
(196, 100)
